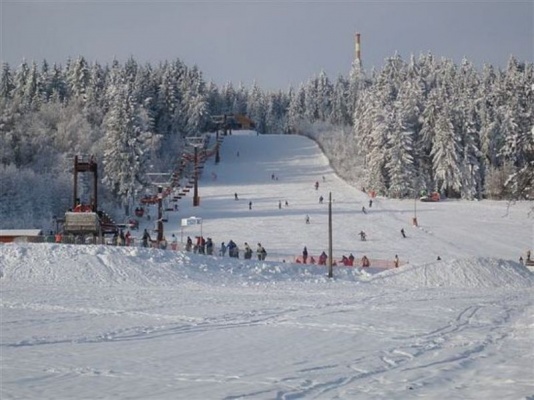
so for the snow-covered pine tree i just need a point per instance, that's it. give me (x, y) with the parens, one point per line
(356, 84)
(45, 78)
(446, 155)
(21, 77)
(517, 118)
(79, 79)
(228, 98)
(296, 109)
(400, 163)
(256, 107)
(127, 146)
(195, 104)
(240, 102)
(6, 83)
(467, 125)
(276, 113)
(58, 85)
(340, 113)
(375, 147)
(324, 96)
(311, 100)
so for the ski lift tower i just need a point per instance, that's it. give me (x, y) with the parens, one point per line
(218, 122)
(196, 142)
(163, 181)
(86, 165)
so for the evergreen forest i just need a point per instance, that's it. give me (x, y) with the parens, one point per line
(423, 124)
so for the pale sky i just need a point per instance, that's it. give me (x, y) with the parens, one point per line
(276, 43)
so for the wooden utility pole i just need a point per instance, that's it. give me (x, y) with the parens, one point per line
(196, 199)
(195, 142)
(217, 155)
(330, 260)
(160, 214)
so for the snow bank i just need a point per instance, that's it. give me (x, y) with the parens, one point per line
(51, 264)
(463, 273)
(96, 265)
(133, 266)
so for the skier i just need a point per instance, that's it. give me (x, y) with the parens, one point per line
(146, 238)
(304, 255)
(317, 185)
(279, 204)
(370, 203)
(403, 233)
(235, 196)
(209, 247)
(233, 251)
(322, 258)
(248, 252)
(521, 260)
(189, 244)
(222, 250)
(363, 236)
(174, 242)
(287, 204)
(396, 261)
(261, 253)
(365, 262)
(250, 205)
(202, 245)
(321, 199)
(351, 259)
(307, 219)
(363, 210)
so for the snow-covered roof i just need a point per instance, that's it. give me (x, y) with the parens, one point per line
(20, 232)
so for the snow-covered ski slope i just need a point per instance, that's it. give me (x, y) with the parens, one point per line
(450, 229)
(88, 322)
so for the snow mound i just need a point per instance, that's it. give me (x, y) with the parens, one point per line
(51, 264)
(462, 273)
(44, 264)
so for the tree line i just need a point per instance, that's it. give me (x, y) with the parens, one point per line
(421, 124)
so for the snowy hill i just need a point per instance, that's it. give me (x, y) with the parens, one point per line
(464, 273)
(51, 264)
(91, 322)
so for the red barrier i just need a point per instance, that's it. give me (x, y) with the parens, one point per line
(373, 263)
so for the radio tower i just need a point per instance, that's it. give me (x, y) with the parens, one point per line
(357, 51)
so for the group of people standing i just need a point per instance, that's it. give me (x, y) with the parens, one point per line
(200, 246)
(122, 239)
(233, 250)
(146, 241)
(347, 261)
(206, 246)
